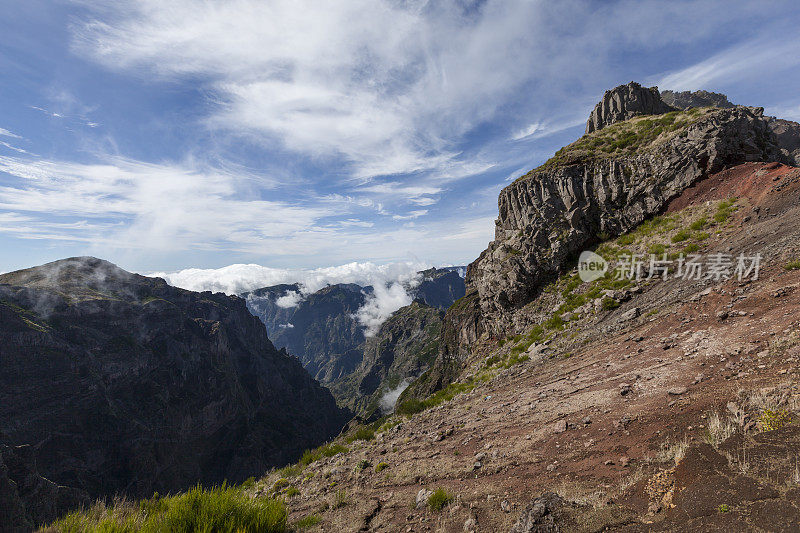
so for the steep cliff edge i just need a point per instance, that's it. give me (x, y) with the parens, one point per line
(606, 183)
(122, 384)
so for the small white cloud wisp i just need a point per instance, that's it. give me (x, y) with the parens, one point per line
(380, 304)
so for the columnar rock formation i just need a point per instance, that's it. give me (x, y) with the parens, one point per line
(624, 102)
(551, 213)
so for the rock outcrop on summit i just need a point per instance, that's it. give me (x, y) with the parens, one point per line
(624, 102)
(688, 99)
(122, 384)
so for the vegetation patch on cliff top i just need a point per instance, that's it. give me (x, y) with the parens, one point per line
(623, 138)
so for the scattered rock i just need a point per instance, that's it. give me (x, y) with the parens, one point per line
(538, 516)
(677, 391)
(631, 314)
(422, 497)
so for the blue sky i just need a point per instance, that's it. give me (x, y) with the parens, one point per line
(298, 135)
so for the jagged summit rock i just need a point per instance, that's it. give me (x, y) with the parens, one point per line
(689, 99)
(625, 102)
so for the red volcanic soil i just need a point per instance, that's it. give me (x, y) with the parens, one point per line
(758, 182)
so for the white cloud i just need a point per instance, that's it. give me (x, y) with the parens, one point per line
(390, 87)
(381, 303)
(236, 279)
(412, 215)
(389, 399)
(390, 283)
(154, 206)
(6, 133)
(745, 60)
(289, 300)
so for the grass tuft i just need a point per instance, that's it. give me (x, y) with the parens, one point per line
(439, 499)
(224, 509)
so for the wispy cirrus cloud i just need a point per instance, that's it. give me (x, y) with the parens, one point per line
(142, 205)
(389, 87)
(773, 53)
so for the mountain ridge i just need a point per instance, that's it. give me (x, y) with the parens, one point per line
(124, 384)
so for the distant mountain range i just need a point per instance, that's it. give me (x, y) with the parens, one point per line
(323, 330)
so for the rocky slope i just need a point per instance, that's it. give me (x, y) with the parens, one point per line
(121, 384)
(671, 406)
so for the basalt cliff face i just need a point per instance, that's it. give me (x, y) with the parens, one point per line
(120, 384)
(606, 183)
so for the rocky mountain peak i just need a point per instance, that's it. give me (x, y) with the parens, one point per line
(688, 99)
(625, 102)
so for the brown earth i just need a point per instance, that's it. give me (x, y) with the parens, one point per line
(560, 422)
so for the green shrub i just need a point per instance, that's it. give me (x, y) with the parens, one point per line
(439, 499)
(723, 508)
(381, 466)
(290, 471)
(793, 265)
(307, 521)
(772, 419)
(414, 406)
(657, 249)
(326, 450)
(340, 500)
(724, 211)
(681, 236)
(224, 509)
(554, 322)
(362, 433)
(626, 239)
(362, 464)
(291, 491)
(610, 303)
(691, 248)
(698, 224)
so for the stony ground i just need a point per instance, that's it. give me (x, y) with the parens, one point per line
(644, 420)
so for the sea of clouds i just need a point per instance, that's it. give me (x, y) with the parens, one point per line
(391, 283)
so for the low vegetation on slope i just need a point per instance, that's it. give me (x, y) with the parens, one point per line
(221, 509)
